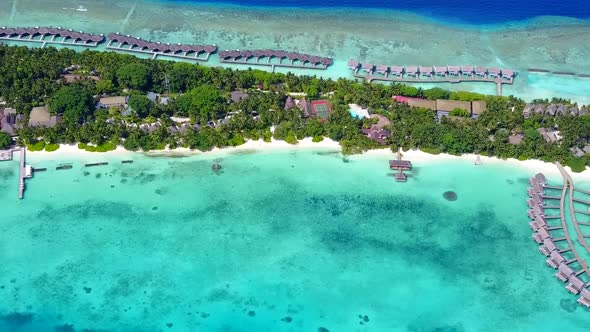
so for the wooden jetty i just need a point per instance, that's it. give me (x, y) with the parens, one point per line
(542, 235)
(401, 166)
(49, 35)
(274, 58)
(25, 171)
(96, 164)
(128, 43)
(433, 74)
(63, 167)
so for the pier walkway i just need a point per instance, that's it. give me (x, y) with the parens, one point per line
(51, 35)
(118, 42)
(577, 281)
(433, 74)
(25, 172)
(275, 58)
(581, 237)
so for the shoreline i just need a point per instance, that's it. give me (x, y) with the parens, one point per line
(259, 146)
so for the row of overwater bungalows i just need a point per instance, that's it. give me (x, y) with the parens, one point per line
(549, 243)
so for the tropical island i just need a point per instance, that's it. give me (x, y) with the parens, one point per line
(101, 100)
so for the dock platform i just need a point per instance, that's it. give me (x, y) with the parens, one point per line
(275, 58)
(432, 74)
(549, 248)
(401, 166)
(25, 172)
(128, 43)
(49, 35)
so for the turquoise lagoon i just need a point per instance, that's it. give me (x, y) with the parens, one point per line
(285, 241)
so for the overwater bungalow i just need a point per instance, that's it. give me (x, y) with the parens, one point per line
(467, 71)
(368, 67)
(540, 178)
(296, 60)
(440, 71)
(539, 222)
(540, 235)
(538, 211)
(584, 298)
(50, 35)
(575, 285)
(534, 201)
(133, 44)
(493, 72)
(564, 272)
(405, 165)
(548, 247)
(400, 176)
(412, 71)
(426, 71)
(507, 73)
(534, 193)
(454, 70)
(555, 259)
(481, 71)
(382, 69)
(397, 71)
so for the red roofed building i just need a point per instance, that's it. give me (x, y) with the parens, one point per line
(321, 109)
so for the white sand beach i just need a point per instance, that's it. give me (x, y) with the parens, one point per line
(415, 156)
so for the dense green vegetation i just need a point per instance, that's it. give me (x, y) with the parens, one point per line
(5, 140)
(31, 77)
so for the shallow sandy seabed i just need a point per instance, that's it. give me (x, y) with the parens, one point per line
(375, 36)
(259, 146)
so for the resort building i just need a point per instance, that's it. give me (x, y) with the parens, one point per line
(416, 102)
(377, 132)
(40, 117)
(237, 96)
(478, 107)
(449, 105)
(549, 135)
(71, 78)
(305, 106)
(443, 107)
(108, 102)
(552, 110)
(289, 103)
(515, 139)
(10, 121)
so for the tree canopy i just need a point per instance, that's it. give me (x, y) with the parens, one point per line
(205, 103)
(140, 104)
(73, 101)
(5, 140)
(133, 75)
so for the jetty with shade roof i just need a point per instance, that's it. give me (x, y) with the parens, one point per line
(433, 74)
(275, 58)
(571, 267)
(127, 43)
(401, 166)
(50, 35)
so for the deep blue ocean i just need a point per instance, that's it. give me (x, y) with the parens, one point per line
(467, 11)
